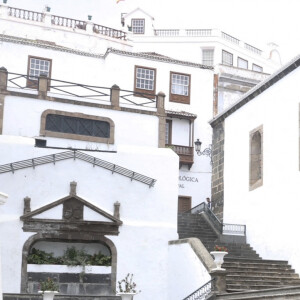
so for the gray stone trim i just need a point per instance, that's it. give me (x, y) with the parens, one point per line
(2, 97)
(199, 250)
(156, 57)
(68, 236)
(257, 90)
(44, 132)
(181, 114)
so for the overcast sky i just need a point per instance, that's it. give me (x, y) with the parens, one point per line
(256, 22)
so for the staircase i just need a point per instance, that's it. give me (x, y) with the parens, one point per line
(248, 275)
(58, 297)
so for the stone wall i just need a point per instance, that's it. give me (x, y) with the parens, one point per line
(218, 170)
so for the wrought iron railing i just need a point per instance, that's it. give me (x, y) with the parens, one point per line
(73, 154)
(66, 88)
(118, 34)
(234, 229)
(202, 292)
(25, 14)
(68, 22)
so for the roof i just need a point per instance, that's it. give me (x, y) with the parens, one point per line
(181, 114)
(137, 9)
(257, 90)
(156, 57)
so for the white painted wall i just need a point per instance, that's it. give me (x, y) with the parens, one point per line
(149, 215)
(270, 211)
(187, 272)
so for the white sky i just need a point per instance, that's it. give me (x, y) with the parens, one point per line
(256, 22)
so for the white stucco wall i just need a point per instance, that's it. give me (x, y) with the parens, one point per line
(149, 215)
(270, 211)
(187, 272)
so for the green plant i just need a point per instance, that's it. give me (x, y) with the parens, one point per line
(49, 285)
(127, 285)
(221, 248)
(41, 257)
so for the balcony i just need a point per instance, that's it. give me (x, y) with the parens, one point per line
(185, 153)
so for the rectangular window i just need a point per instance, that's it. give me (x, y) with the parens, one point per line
(37, 66)
(180, 88)
(257, 68)
(138, 26)
(144, 80)
(184, 203)
(208, 57)
(227, 58)
(242, 63)
(168, 137)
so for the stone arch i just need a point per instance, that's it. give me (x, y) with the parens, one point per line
(256, 158)
(70, 236)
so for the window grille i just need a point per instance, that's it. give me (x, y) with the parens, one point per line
(208, 57)
(180, 84)
(227, 58)
(38, 67)
(145, 79)
(138, 26)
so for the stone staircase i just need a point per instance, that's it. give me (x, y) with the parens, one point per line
(248, 275)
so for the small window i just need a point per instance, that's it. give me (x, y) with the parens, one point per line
(144, 80)
(77, 126)
(256, 158)
(184, 204)
(138, 26)
(180, 88)
(257, 68)
(37, 66)
(168, 136)
(208, 57)
(227, 58)
(242, 63)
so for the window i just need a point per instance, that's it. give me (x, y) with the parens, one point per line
(77, 126)
(257, 68)
(256, 158)
(180, 88)
(36, 67)
(208, 57)
(138, 26)
(242, 63)
(184, 204)
(227, 58)
(168, 136)
(144, 80)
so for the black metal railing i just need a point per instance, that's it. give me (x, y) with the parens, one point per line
(74, 154)
(67, 88)
(235, 229)
(202, 292)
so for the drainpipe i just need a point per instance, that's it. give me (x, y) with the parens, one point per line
(3, 198)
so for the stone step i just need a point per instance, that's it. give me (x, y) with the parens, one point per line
(58, 297)
(275, 293)
(261, 261)
(265, 275)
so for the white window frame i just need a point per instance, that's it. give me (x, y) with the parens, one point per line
(138, 26)
(208, 57)
(257, 68)
(242, 63)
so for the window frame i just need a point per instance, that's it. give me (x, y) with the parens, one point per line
(132, 27)
(148, 93)
(33, 83)
(180, 199)
(169, 140)
(180, 98)
(244, 60)
(74, 136)
(213, 53)
(259, 67)
(226, 52)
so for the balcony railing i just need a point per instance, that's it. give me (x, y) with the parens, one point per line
(25, 14)
(198, 32)
(166, 32)
(185, 153)
(67, 22)
(253, 49)
(230, 38)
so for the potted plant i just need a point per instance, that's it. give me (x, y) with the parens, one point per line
(127, 288)
(219, 253)
(48, 288)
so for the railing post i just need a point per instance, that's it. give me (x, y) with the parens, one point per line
(3, 10)
(160, 105)
(3, 79)
(219, 277)
(115, 96)
(43, 85)
(47, 19)
(89, 27)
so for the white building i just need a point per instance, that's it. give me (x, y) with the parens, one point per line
(256, 165)
(238, 65)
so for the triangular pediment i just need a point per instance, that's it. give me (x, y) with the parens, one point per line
(70, 213)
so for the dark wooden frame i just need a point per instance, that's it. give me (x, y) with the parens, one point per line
(139, 20)
(185, 197)
(31, 83)
(180, 98)
(170, 122)
(147, 93)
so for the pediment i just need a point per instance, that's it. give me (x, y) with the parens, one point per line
(70, 213)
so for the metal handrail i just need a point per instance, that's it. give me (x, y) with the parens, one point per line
(224, 228)
(202, 292)
(73, 154)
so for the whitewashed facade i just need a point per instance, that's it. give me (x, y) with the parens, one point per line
(261, 187)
